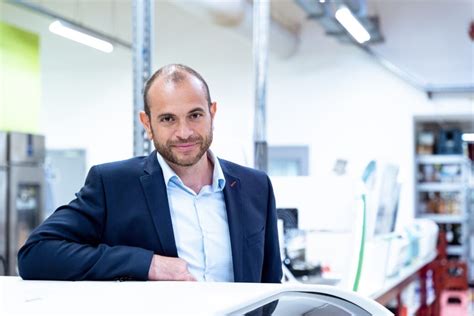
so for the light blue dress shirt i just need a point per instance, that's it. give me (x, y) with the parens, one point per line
(200, 225)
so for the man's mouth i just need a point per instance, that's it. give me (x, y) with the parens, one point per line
(184, 146)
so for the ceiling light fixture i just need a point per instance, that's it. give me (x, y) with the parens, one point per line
(352, 25)
(64, 30)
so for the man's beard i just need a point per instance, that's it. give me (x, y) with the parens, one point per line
(166, 150)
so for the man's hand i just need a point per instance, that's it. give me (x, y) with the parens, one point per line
(169, 269)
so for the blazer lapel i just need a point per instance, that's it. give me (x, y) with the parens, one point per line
(157, 200)
(233, 201)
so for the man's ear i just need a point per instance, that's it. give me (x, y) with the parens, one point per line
(145, 119)
(213, 109)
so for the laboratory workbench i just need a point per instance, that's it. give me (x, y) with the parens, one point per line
(20, 297)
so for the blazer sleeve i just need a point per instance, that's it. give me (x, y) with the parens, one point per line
(272, 269)
(67, 246)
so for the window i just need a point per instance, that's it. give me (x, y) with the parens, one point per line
(288, 160)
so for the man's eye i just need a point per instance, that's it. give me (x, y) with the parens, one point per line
(166, 119)
(196, 115)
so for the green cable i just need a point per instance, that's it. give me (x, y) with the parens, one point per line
(362, 246)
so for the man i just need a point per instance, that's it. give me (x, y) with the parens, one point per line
(178, 214)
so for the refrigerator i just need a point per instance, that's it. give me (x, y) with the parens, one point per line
(22, 181)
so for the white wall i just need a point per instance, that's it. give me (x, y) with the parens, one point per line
(86, 94)
(343, 104)
(330, 96)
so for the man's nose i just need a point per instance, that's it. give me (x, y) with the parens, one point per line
(184, 131)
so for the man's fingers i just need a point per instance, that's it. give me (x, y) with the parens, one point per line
(169, 269)
(187, 276)
(190, 277)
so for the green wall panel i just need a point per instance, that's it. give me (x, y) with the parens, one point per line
(20, 84)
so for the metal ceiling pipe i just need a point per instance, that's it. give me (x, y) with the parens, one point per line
(415, 81)
(261, 20)
(433, 89)
(402, 74)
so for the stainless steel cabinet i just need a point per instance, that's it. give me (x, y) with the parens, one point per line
(21, 192)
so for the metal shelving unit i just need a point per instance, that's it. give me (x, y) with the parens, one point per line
(442, 192)
(444, 188)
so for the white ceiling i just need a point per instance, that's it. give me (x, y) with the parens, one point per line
(427, 38)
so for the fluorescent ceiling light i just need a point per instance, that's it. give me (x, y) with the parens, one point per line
(352, 25)
(468, 137)
(62, 29)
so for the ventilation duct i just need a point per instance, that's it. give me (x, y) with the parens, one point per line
(325, 13)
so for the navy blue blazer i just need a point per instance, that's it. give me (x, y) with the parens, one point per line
(121, 217)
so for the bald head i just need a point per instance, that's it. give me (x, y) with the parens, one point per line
(173, 74)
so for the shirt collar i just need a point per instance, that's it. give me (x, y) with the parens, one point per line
(218, 179)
